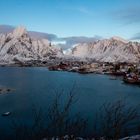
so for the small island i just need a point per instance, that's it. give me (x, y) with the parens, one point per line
(4, 90)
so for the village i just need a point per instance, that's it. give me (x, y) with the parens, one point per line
(130, 72)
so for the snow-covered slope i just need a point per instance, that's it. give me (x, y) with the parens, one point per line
(19, 45)
(109, 50)
(136, 137)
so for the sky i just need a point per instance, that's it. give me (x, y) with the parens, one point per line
(105, 18)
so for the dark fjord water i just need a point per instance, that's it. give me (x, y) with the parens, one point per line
(36, 87)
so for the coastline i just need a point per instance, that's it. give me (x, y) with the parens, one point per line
(129, 72)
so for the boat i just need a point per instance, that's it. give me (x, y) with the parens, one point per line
(131, 81)
(6, 114)
(84, 71)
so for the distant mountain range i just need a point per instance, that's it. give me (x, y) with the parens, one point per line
(68, 42)
(114, 49)
(18, 43)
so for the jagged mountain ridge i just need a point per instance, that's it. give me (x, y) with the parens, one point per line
(5, 29)
(19, 45)
(109, 50)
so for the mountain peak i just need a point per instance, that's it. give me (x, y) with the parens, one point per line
(19, 31)
(119, 39)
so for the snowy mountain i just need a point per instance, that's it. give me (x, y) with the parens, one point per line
(19, 45)
(65, 42)
(5, 29)
(114, 49)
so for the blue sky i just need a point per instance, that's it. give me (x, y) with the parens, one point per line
(104, 18)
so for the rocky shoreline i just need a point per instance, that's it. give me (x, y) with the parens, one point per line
(129, 71)
(67, 137)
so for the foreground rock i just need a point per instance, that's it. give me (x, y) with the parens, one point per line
(137, 137)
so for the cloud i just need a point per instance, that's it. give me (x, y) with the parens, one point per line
(83, 10)
(4, 29)
(128, 16)
(80, 9)
(136, 37)
(40, 35)
(64, 43)
(81, 39)
(70, 41)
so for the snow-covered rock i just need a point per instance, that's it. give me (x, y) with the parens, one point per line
(136, 137)
(119, 39)
(114, 49)
(19, 31)
(19, 45)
